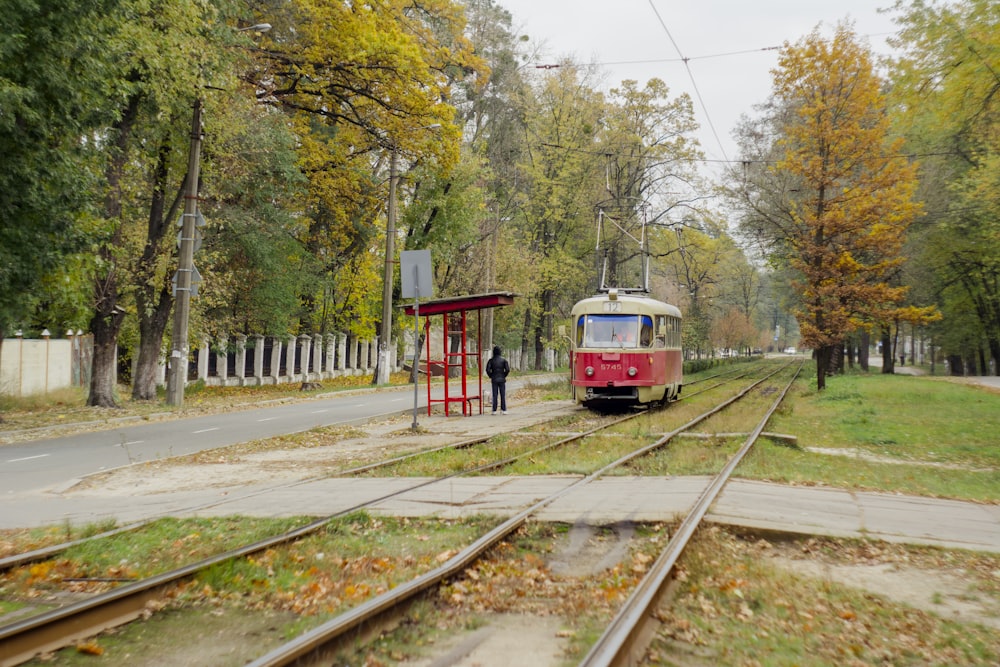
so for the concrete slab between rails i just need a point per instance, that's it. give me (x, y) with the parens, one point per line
(750, 504)
(757, 505)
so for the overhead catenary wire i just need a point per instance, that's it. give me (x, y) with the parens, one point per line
(694, 84)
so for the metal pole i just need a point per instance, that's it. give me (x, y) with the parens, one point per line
(185, 268)
(385, 342)
(416, 343)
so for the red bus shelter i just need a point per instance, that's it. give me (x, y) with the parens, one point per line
(454, 313)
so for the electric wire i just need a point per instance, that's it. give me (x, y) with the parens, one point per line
(694, 84)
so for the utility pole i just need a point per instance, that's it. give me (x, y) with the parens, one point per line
(185, 268)
(385, 340)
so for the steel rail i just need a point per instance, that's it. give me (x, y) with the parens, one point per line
(51, 630)
(627, 637)
(44, 553)
(21, 640)
(318, 644)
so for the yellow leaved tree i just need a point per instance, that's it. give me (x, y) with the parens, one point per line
(824, 186)
(367, 85)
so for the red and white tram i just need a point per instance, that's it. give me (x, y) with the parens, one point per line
(626, 350)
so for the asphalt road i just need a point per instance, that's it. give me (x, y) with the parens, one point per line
(55, 462)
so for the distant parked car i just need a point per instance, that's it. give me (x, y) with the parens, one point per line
(789, 350)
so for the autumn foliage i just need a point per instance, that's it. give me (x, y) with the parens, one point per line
(842, 193)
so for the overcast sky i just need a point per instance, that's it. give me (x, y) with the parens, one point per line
(728, 44)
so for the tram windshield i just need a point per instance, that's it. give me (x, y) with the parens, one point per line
(624, 331)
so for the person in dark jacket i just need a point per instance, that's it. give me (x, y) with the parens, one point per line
(498, 369)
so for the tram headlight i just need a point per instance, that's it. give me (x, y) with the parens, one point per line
(632, 371)
(589, 371)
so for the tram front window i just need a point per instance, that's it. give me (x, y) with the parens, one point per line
(611, 331)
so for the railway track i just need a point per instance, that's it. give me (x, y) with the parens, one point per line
(48, 631)
(626, 638)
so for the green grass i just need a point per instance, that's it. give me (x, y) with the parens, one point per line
(156, 547)
(735, 607)
(277, 593)
(906, 434)
(905, 417)
(898, 434)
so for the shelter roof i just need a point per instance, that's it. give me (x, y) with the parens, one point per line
(454, 304)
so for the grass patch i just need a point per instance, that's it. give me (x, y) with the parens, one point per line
(906, 434)
(903, 434)
(736, 607)
(906, 417)
(15, 541)
(157, 547)
(278, 593)
(352, 559)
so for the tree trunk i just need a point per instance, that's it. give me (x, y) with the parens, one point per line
(415, 366)
(970, 364)
(823, 355)
(836, 359)
(955, 365)
(863, 350)
(455, 346)
(103, 375)
(888, 360)
(153, 319)
(525, 335)
(151, 331)
(108, 316)
(540, 327)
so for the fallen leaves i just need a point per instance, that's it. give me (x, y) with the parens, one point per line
(735, 605)
(90, 648)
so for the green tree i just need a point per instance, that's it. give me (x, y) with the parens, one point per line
(648, 147)
(377, 85)
(945, 85)
(694, 255)
(564, 184)
(53, 89)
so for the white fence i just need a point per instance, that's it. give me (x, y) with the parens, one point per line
(29, 366)
(38, 366)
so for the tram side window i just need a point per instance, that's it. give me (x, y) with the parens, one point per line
(646, 331)
(674, 327)
(661, 331)
(579, 331)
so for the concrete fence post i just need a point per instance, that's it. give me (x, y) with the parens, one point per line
(275, 359)
(317, 356)
(258, 358)
(330, 351)
(290, 358)
(222, 360)
(241, 359)
(203, 351)
(341, 364)
(305, 347)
